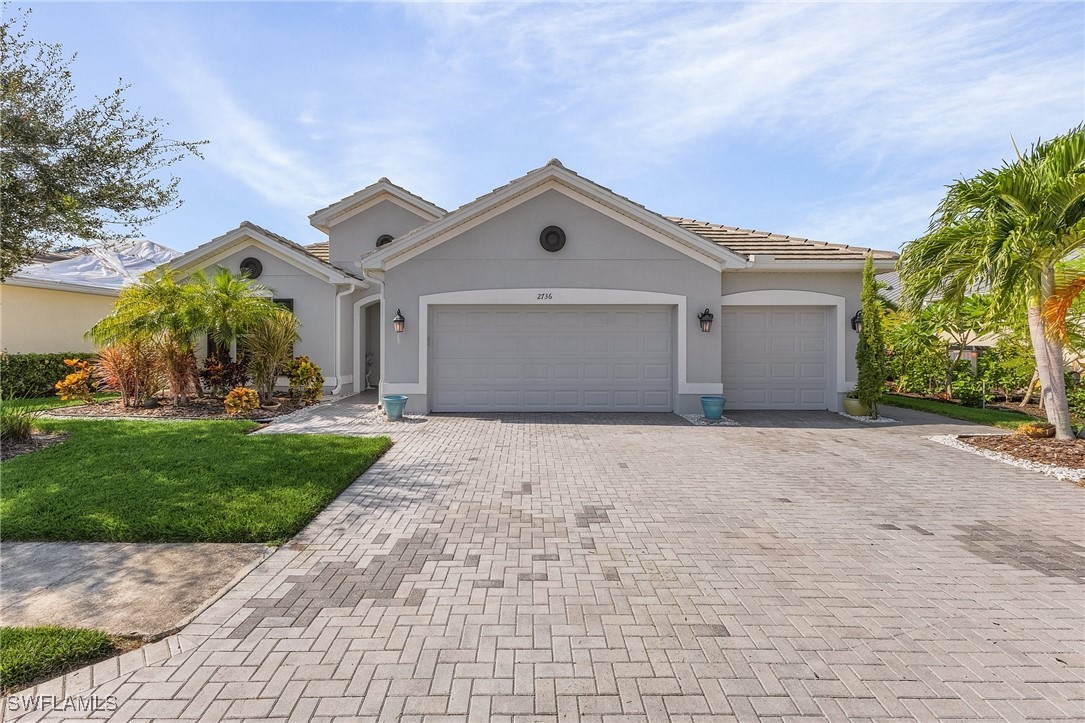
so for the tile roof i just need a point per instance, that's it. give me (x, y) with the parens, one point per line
(783, 248)
(298, 247)
(320, 250)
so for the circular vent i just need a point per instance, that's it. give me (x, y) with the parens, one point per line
(252, 268)
(552, 238)
(384, 240)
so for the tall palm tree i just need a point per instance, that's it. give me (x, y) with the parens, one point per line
(1005, 230)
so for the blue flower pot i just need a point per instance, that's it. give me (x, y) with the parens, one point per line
(393, 405)
(712, 407)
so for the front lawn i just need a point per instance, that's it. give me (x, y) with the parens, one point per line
(31, 654)
(52, 402)
(128, 481)
(990, 417)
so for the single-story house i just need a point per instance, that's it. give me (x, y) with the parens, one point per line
(553, 293)
(47, 306)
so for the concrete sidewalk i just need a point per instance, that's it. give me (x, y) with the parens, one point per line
(140, 590)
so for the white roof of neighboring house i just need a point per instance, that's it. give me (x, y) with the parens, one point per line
(98, 268)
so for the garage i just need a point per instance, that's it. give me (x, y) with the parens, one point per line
(551, 358)
(776, 357)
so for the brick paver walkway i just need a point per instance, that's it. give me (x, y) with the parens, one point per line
(625, 567)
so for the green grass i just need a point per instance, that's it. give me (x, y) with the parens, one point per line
(990, 417)
(31, 654)
(204, 481)
(51, 402)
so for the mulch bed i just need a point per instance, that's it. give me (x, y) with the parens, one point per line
(197, 408)
(1057, 453)
(39, 440)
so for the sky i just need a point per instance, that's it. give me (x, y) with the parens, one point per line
(838, 122)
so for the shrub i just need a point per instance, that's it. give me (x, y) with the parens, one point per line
(306, 380)
(32, 375)
(132, 369)
(78, 384)
(1036, 429)
(179, 368)
(241, 399)
(870, 356)
(223, 375)
(269, 344)
(16, 423)
(968, 388)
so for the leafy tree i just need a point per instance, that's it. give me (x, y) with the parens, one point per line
(870, 352)
(1006, 230)
(91, 172)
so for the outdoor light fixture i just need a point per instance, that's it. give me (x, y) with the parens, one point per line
(398, 321)
(857, 321)
(705, 317)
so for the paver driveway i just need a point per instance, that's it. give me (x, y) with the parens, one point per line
(587, 566)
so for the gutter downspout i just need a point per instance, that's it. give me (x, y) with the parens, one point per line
(376, 276)
(339, 339)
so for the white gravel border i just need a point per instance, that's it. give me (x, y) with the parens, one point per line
(702, 421)
(870, 420)
(1062, 473)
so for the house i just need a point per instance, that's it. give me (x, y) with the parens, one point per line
(553, 293)
(47, 306)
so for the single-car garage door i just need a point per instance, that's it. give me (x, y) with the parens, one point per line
(776, 357)
(555, 358)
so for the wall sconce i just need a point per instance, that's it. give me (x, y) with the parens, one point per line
(705, 317)
(398, 321)
(857, 322)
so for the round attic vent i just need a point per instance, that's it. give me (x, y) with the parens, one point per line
(252, 268)
(552, 238)
(384, 239)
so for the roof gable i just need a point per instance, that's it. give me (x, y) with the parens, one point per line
(553, 176)
(280, 246)
(382, 190)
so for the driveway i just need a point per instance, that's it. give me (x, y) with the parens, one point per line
(581, 566)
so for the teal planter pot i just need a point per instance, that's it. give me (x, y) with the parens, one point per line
(393, 405)
(712, 407)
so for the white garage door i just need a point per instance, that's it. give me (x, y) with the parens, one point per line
(555, 358)
(776, 357)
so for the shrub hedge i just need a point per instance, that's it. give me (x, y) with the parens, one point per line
(34, 375)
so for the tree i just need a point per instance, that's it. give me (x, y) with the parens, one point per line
(1005, 230)
(870, 351)
(231, 303)
(90, 173)
(270, 343)
(962, 322)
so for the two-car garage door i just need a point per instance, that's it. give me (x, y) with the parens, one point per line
(776, 357)
(554, 358)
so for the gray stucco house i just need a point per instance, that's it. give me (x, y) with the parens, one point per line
(552, 293)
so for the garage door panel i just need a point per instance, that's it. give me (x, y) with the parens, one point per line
(555, 358)
(775, 357)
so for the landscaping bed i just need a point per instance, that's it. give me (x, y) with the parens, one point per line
(197, 408)
(1057, 453)
(994, 417)
(186, 481)
(39, 440)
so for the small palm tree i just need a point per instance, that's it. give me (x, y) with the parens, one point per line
(229, 303)
(1007, 230)
(270, 344)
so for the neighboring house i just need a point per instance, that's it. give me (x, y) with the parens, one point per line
(48, 306)
(552, 293)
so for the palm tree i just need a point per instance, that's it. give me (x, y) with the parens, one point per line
(270, 343)
(1005, 230)
(160, 317)
(230, 303)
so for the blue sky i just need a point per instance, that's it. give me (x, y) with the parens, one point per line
(840, 122)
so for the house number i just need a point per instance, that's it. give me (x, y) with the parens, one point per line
(545, 296)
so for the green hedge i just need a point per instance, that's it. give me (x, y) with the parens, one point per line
(34, 375)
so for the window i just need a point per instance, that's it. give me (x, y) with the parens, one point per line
(384, 240)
